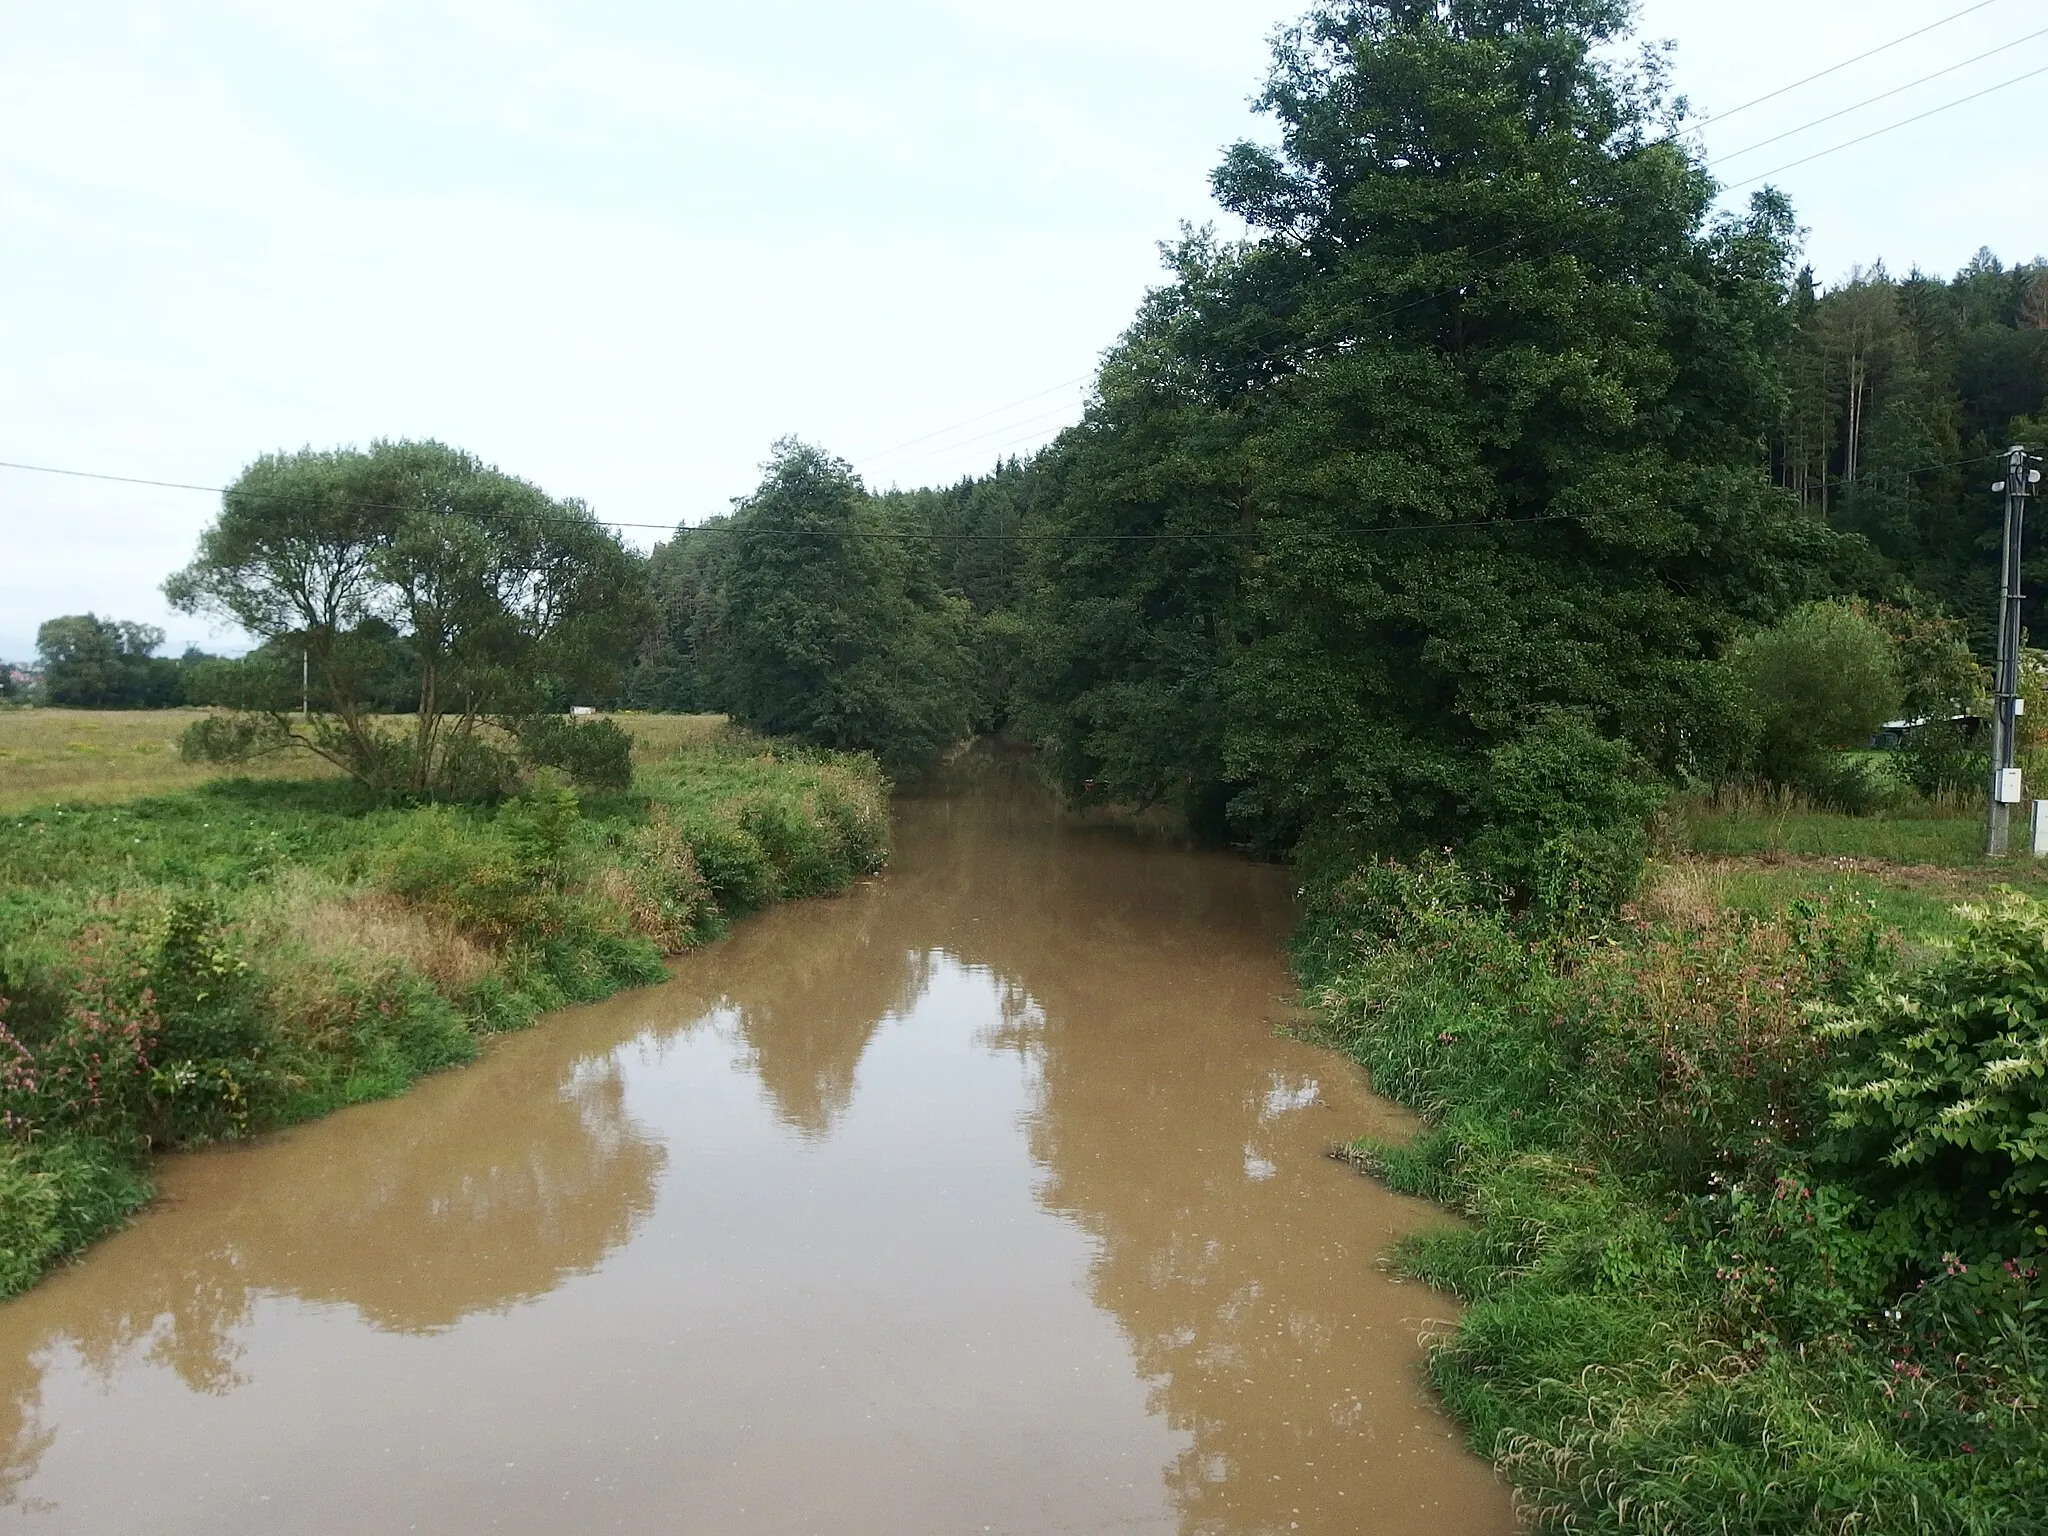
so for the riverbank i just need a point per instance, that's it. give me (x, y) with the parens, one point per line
(209, 964)
(1756, 1228)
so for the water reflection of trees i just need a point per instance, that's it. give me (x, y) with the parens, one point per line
(483, 1190)
(1129, 982)
(808, 987)
(1262, 1327)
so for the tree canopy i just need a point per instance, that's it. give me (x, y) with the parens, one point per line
(1472, 429)
(508, 603)
(97, 663)
(814, 611)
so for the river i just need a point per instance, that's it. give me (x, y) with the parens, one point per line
(984, 1198)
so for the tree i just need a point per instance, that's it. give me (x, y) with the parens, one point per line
(816, 614)
(1470, 433)
(507, 603)
(1822, 678)
(95, 663)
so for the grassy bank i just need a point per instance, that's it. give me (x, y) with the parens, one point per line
(1755, 1200)
(211, 963)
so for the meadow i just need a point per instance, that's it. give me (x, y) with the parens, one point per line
(204, 961)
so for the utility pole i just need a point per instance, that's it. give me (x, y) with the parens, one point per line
(305, 683)
(2018, 483)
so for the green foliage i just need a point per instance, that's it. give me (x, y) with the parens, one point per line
(1466, 432)
(598, 754)
(97, 663)
(208, 965)
(1563, 814)
(236, 738)
(1688, 1305)
(1897, 390)
(812, 618)
(57, 1194)
(416, 561)
(1945, 1113)
(1824, 677)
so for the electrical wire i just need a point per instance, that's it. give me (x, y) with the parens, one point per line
(1989, 53)
(1758, 101)
(726, 530)
(1905, 122)
(971, 420)
(959, 449)
(867, 460)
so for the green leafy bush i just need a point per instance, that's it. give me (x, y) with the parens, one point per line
(1692, 1303)
(1945, 1112)
(1824, 677)
(597, 754)
(207, 965)
(1563, 814)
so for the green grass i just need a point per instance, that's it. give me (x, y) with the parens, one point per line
(211, 963)
(1913, 871)
(1681, 1315)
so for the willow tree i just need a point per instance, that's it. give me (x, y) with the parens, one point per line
(1469, 433)
(506, 600)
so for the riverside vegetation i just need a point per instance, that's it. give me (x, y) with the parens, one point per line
(208, 964)
(1494, 515)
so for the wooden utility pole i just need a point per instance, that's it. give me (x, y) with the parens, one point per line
(2020, 477)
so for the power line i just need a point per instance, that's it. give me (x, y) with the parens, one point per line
(982, 437)
(1881, 96)
(971, 420)
(1757, 101)
(727, 530)
(869, 459)
(1904, 122)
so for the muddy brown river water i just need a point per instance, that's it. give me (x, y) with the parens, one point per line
(982, 1199)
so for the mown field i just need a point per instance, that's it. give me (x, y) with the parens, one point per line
(1758, 854)
(204, 961)
(101, 755)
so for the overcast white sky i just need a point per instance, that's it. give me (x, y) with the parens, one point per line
(619, 248)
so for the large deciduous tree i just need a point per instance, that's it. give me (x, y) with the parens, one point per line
(507, 603)
(814, 613)
(1471, 431)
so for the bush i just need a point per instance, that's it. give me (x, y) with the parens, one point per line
(1856, 783)
(597, 754)
(1944, 1116)
(237, 738)
(1692, 1301)
(1563, 813)
(1823, 677)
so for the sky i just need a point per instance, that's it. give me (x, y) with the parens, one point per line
(619, 249)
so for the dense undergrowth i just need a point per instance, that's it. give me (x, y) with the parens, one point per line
(1756, 1215)
(207, 965)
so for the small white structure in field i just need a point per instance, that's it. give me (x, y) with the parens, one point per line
(581, 709)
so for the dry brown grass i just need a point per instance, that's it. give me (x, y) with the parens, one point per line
(658, 736)
(338, 923)
(49, 755)
(1682, 892)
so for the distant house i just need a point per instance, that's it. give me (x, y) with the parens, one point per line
(1894, 734)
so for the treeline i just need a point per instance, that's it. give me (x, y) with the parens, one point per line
(1900, 397)
(1494, 476)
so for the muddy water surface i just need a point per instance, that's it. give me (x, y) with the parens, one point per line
(982, 1199)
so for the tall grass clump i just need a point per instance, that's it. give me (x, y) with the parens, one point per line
(204, 966)
(1755, 1216)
